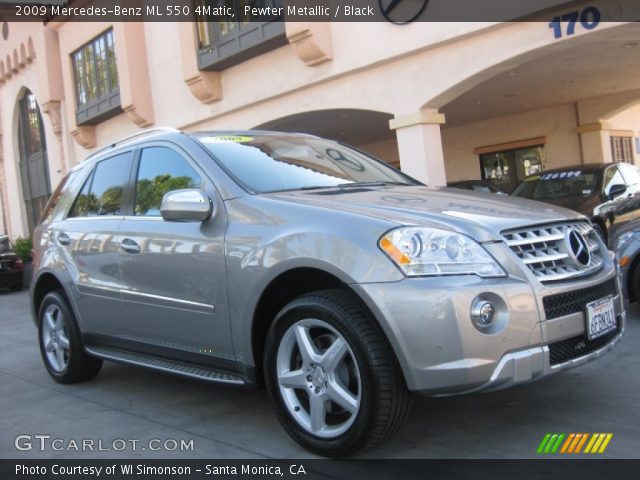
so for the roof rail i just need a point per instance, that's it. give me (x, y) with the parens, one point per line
(134, 135)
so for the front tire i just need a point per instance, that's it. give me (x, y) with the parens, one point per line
(61, 344)
(332, 378)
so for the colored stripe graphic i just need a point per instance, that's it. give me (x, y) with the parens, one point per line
(598, 443)
(551, 442)
(556, 443)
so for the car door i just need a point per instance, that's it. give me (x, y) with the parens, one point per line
(630, 208)
(174, 272)
(88, 237)
(612, 210)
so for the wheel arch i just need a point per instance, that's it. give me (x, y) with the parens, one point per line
(281, 290)
(47, 282)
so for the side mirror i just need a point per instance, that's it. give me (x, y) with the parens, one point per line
(188, 205)
(616, 190)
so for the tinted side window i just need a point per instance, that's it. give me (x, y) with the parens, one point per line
(630, 174)
(80, 205)
(612, 177)
(102, 193)
(161, 170)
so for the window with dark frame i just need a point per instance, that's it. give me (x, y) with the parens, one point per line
(506, 168)
(227, 41)
(622, 149)
(96, 80)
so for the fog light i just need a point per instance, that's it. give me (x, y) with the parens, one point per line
(483, 313)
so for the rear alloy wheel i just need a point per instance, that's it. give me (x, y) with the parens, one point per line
(331, 376)
(61, 343)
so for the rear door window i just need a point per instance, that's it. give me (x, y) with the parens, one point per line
(102, 193)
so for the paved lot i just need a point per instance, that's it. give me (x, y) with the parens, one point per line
(131, 403)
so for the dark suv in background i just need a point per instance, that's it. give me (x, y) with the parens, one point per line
(606, 193)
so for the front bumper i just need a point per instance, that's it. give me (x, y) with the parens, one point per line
(441, 352)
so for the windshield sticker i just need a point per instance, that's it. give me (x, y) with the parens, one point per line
(229, 139)
(561, 175)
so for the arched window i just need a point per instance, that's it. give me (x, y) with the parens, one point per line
(34, 172)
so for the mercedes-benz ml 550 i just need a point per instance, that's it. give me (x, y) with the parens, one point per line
(305, 266)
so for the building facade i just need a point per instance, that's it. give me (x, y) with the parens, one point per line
(442, 101)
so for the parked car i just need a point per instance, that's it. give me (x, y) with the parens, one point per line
(626, 244)
(478, 186)
(606, 193)
(11, 266)
(301, 264)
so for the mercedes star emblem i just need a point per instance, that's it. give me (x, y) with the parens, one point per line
(577, 248)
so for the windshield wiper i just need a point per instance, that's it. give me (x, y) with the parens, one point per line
(368, 184)
(297, 189)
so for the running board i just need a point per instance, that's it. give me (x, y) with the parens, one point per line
(170, 366)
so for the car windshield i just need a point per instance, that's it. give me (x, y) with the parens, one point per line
(569, 183)
(269, 163)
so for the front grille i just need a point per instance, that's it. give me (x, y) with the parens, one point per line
(545, 251)
(574, 347)
(572, 302)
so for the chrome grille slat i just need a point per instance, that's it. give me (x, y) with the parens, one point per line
(542, 250)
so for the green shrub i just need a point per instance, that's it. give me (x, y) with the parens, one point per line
(22, 247)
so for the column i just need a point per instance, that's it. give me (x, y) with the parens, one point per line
(595, 142)
(420, 146)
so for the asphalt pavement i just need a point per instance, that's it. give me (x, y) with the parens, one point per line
(130, 412)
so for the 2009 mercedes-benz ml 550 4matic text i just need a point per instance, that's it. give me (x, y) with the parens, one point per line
(304, 265)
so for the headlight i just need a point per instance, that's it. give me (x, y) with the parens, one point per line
(622, 240)
(430, 251)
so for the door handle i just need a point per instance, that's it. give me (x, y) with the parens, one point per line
(64, 239)
(129, 246)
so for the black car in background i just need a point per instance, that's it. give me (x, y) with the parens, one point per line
(477, 186)
(11, 266)
(607, 193)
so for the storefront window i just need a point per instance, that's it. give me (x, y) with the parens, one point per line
(96, 80)
(507, 168)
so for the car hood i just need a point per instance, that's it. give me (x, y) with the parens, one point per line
(480, 215)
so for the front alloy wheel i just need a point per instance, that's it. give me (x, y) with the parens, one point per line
(318, 378)
(332, 378)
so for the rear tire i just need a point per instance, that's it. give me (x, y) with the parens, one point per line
(61, 343)
(325, 353)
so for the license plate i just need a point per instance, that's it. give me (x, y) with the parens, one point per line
(601, 318)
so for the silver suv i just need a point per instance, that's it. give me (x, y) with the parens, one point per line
(305, 266)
